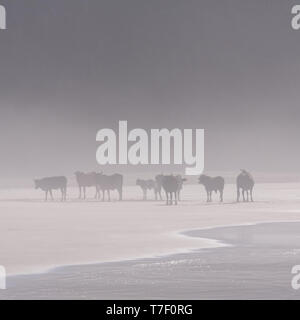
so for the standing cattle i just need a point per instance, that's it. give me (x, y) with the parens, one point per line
(212, 184)
(245, 182)
(85, 180)
(146, 185)
(171, 185)
(52, 183)
(108, 183)
(158, 186)
(180, 185)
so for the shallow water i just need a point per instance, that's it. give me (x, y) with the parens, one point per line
(256, 265)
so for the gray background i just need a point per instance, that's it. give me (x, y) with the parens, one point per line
(72, 67)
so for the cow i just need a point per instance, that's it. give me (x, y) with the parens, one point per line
(147, 185)
(212, 184)
(171, 185)
(108, 183)
(158, 186)
(245, 182)
(52, 183)
(180, 185)
(85, 180)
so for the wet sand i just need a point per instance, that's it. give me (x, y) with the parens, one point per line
(255, 264)
(36, 236)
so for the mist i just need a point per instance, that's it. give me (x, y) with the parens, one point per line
(71, 68)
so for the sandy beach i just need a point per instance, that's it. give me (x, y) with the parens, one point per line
(255, 264)
(37, 236)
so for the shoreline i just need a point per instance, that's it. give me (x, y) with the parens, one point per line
(39, 237)
(215, 244)
(211, 244)
(254, 264)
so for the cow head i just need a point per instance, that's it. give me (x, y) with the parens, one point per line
(202, 179)
(37, 184)
(77, 173)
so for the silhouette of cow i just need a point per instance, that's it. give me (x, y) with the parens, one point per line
(85, 180)
(172, 186)
(145, 186)
(52, 183)
(180, 185)
(158, 186)
(245, 182)
(212, 184)
(108, 183)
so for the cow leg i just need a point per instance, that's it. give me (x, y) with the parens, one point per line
(63, 194)
(103, 195)
(46, 195)
(99, 193)
(79, 197)
(251, 193)
(207, 194)
(120, 194)
(238, 195)
(51, 194)
(221, 195)
(108, 191)
(176, 195)
(84, 193)
(244, 198)
(167, 197)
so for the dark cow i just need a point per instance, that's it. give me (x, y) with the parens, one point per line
(85, 180)
(180, 185)
(212, 184)
(146, 185)
(171, 186)
(245, 182)
(108, 183)
(158, 186)
(52, 183)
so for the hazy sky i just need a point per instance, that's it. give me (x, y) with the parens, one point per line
(72, 67)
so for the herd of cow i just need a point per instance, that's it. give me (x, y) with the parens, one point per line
(172, 186)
